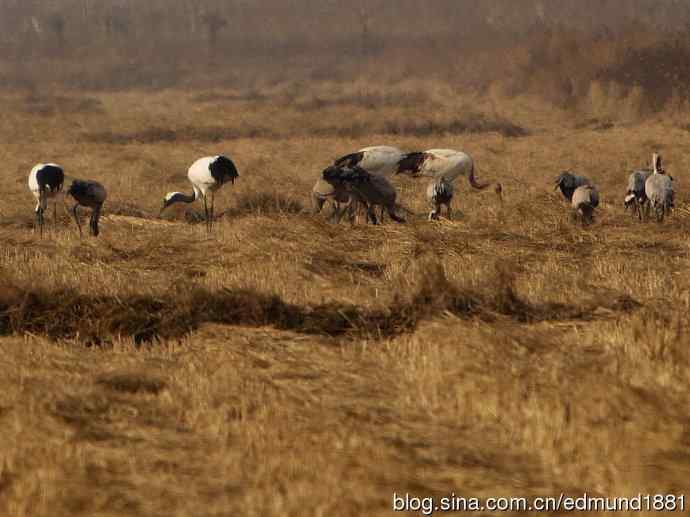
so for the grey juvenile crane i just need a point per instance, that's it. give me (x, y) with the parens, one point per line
(337, 195)
(584, 200)
(635, 196)
(90, 194)
(367, 190)
(567, 182)
(659, 189)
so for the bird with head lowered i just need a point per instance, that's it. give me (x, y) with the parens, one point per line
(207, 175)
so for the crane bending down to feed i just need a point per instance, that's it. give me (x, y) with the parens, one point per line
(45, 182)
(323, 192)
(584, 200)
(439, 192)
(367, 190)
(568, 182)
(206, 175)
(90, 194)
(382, 160)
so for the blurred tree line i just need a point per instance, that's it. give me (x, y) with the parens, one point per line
(471, 43)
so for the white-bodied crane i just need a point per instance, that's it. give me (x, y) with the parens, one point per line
(45, 182)
(448, 164)
(206, 175)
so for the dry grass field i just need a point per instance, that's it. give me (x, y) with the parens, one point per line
(287, 366)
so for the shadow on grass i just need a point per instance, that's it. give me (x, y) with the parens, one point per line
(98, 319)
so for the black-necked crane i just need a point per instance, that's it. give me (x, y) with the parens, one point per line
(206, 175)
(45, 182)
(89, 194)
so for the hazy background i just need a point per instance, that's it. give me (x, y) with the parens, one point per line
(562, 50)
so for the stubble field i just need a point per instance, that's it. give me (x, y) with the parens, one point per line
(286, 366)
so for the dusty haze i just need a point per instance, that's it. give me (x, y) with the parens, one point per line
(557, 49)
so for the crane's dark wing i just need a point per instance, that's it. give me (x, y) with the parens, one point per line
(87, 193)
(349, 160)
(411, 163)
(345, 174)
(223, 169)
(50, 177)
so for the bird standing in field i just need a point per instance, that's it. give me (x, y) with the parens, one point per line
(444, 166)
(448, 164)
(90, 194)
(659, 189)
(45, 182)
(206, 175)
(378, 159)
(438, 193)
(365, 189)
(568, 182)
(636, 197)
(584, 200)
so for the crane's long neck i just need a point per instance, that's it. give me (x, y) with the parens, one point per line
(473, 180)
(187, 198)
(180, 197)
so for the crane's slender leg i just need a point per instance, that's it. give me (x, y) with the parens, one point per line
(449, 211)
(39, 220)
(371, 215)
(76, 218)
(39, 210)
(55, 213)
(206, 214)
(93, 223)
(213, 199)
